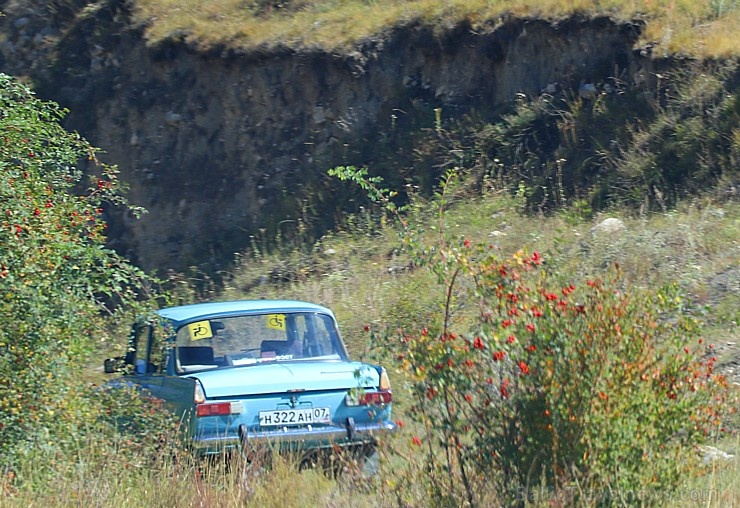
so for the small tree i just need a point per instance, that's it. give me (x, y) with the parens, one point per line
(57, 279)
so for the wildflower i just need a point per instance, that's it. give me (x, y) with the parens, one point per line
(530, 327)
(536, 258)
(506, 323)
(499, 356)
(523, 367)
(478, 344)
(531, 348)
(503, 389)
(536, 312)
(510, 339)
(366, 328)
(416, 441)
(399, 424)
(466, 243)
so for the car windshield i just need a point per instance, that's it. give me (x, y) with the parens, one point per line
(256, 338)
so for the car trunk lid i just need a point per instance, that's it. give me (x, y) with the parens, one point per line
(282, 377)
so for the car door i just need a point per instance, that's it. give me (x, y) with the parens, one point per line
(146, 355)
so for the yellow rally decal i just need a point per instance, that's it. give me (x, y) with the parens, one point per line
(276, 321)
(200, 330)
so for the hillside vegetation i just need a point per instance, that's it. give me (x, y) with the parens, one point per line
(704, 29)
(536, 359)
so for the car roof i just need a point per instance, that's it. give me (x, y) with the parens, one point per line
(186, 313)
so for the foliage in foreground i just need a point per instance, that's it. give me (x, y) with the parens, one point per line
(595, 391)
(61, 290)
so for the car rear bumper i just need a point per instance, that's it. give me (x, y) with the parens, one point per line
(297, 438)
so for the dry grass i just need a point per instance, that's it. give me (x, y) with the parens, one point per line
(360, 274)
(351, 272)
(702, 29)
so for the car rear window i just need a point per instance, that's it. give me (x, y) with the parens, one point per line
(256, 338)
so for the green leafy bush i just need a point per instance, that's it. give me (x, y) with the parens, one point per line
(61, 290)
(596, 385)
(536, 385)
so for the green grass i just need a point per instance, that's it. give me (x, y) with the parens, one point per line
(360, 273)
(705, 28)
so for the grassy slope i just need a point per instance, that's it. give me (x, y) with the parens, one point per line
(696, 246)
(362, 276)
(358, 272)
(697, 28)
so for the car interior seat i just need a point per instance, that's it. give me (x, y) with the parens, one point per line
(196, 355)
(279, 347)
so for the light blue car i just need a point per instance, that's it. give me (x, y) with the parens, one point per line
(246, 372)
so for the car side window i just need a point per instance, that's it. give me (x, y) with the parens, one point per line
(148, 353)
(156, 348)
(317, 333)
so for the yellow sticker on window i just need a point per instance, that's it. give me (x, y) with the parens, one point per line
(276, 321)
(200, 330)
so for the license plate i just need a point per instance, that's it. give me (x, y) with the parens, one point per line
(295, 416)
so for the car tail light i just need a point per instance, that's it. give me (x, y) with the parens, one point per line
(213, 408)
(365, 398)
(385, 382)
(216, 409)
(373, 398)
(199, 396)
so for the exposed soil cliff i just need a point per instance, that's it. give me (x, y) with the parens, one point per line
(222, 144)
